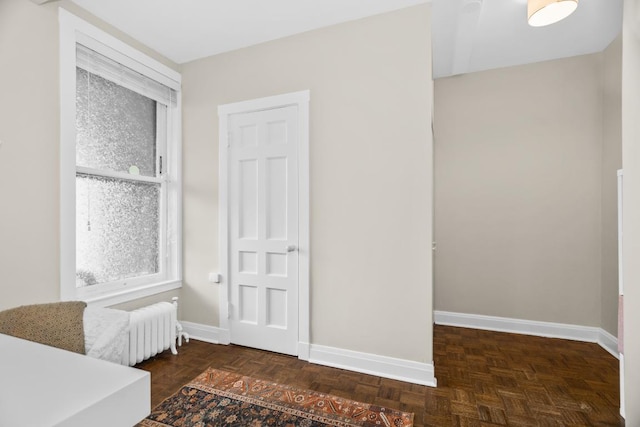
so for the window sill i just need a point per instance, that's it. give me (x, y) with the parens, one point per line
(126, 295)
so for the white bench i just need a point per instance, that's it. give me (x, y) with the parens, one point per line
(43, 386)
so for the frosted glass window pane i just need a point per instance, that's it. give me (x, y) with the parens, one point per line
(117, 229)
(116, 127)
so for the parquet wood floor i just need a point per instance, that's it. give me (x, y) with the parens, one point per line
(484, 379)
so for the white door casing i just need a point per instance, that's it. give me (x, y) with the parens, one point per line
(264, 223)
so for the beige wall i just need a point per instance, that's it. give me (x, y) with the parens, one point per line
(611, 162)
(370, 142)
(631, 209)
(29, 153)
(518, 192)
(29, 129)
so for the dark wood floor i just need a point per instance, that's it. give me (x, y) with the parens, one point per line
(484, 379)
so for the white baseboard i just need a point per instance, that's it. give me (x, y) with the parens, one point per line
(608, 342)
(373, 364)
(206, 333)
(530, 327)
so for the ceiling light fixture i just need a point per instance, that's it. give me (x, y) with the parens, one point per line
(546, 12)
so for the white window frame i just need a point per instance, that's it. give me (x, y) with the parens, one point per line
(74, 30)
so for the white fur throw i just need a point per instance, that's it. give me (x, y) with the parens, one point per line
(106, 332)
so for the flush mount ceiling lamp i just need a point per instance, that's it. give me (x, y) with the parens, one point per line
(546, 12)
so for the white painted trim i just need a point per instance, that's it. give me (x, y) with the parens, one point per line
(304, 351)
(518, 326)
(301, 100)
(373, 364)
(620, 175)
(304, 211)
(223, 221)
(366, 363)
(130, 56)
(174, 189)
(225, 337)
(206, 333)
(623, 408)
(266, 103)
(126, 295)
(67, 155)
(529, 327)
(608, 342)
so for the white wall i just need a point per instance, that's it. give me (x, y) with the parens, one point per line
(29, 129)
(370, 142)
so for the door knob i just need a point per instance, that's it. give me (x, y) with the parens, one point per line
(291, 248)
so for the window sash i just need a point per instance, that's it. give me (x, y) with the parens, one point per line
(82, 170)
(163, 126)
(163, 250)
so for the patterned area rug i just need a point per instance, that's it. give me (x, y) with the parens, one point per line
(219, 398)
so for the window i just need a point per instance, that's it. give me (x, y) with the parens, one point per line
(120, 180)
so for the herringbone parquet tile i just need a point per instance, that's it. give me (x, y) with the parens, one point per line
(484, 379)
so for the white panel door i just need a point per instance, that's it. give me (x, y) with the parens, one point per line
(263, 229)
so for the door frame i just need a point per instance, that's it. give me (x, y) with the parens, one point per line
(301, 101)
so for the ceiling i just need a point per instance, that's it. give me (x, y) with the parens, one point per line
(468, 35)
(476, 35)
(185, 30)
